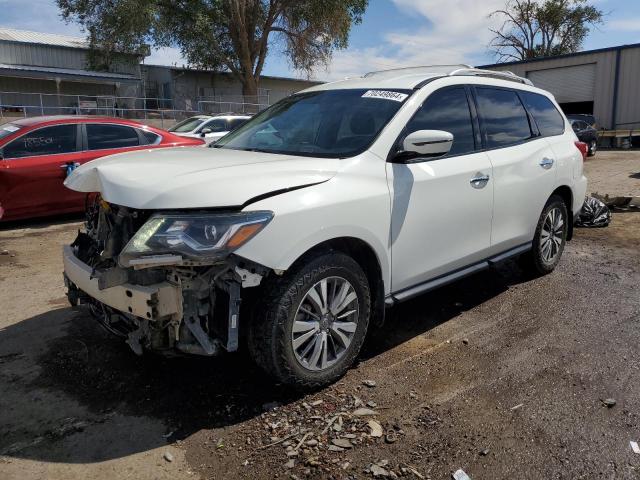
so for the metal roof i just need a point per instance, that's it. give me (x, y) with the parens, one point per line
(565, 55)
(67, 72)
(24, 36)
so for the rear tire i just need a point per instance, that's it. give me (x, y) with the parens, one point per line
(311, 323)
(549, 239)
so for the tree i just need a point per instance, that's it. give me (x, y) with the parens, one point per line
(542, 28)
(228, 35)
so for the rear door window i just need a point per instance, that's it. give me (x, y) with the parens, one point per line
(44, 141)
(105, 136)
(152, 138)
(545, 114)
(447, 110)
(503, 116)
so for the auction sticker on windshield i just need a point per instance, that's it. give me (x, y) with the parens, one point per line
(385, 95)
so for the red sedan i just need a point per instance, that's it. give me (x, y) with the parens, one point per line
(37, 154)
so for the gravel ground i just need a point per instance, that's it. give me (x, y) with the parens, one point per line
(501, 375)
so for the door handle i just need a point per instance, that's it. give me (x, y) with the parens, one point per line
(546, 163)
(479, 181)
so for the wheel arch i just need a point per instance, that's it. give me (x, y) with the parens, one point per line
(365, 255)
(565, 192)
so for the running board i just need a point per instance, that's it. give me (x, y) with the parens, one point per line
(438, 282)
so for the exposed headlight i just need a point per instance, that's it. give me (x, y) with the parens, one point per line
(194, 236)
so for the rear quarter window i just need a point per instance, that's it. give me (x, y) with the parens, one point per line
(503, 116)
(545, 114)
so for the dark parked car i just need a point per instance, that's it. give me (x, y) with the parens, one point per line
(589, 119)
(585, 133)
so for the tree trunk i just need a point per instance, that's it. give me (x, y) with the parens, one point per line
(249, 85)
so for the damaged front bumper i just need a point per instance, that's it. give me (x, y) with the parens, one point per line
(188, 311)
(154, 302)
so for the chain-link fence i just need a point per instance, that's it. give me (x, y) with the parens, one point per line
(160, 112)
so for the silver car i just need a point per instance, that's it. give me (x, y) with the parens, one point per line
(209, 128)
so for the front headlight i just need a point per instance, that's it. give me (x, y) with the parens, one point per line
(194, 236)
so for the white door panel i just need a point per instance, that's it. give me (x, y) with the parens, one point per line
(521, 189)
(439, 221)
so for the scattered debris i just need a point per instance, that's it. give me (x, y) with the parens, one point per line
(372, 404)
(609, 402)
(369, 383)
(342, 443)
(4, 252)
(277, 441)
(363, 412)
(594, 213)
(484, 452)
(335, 448)
(635, 447)
(168, 457)
(290, 464)
(315, 403)
(376, 428)
(391, 436)
(379, 469)
(460, 475)
(306, 435)
(465, 341)
(516, 407)
(167, 435)
(410, 469)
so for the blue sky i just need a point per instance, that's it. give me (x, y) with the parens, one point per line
(393, 33)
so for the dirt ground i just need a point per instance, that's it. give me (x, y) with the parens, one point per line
(501, 375)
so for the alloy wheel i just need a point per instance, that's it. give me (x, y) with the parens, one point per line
(552, 235)
(325, 323)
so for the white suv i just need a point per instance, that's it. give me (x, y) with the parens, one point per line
(295, 233)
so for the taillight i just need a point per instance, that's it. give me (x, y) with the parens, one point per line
(583, 149)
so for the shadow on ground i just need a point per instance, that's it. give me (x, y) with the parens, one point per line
(88, 367)
(42, 222)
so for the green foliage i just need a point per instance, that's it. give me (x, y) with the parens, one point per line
(230, 35)
(545, 28)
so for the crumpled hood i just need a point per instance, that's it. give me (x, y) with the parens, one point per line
(197, 177)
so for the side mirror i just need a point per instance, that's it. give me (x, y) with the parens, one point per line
(205, 131)
(424, 143)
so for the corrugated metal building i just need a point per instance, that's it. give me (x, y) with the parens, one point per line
(34, 63)
(602, 82)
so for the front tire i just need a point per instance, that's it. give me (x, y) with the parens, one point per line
(550, 238)
(312, 321)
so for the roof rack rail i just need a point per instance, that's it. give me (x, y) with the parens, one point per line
(418, 69)
(450, 71)
(502, 75)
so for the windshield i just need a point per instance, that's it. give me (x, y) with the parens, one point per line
(8, 129)
(325, 123)
(188, 125)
